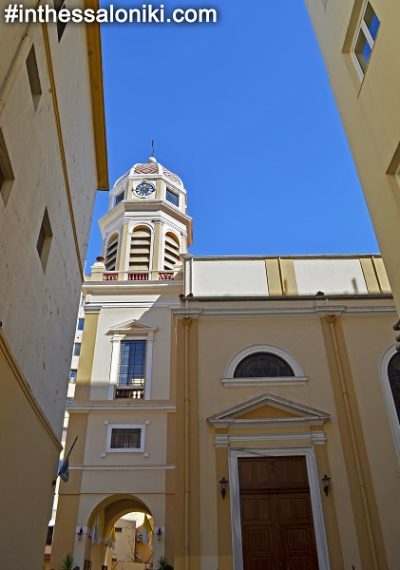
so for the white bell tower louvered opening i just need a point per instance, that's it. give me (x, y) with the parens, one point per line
(111, 253)
(171, 251)
(139, 259)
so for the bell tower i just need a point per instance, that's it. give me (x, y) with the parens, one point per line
(146, 229)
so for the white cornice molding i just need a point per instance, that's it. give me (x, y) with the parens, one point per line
(225, 440)
(113, 405)
(123, 305)
(121, 467)
(292, 311)
(273, 381)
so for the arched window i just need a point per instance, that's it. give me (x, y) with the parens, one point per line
(393, 371)
(111, 253)
(139, 259)
(263, 365)
(171, 251)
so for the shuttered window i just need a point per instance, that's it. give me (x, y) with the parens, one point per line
(139, 259)
(171, 251)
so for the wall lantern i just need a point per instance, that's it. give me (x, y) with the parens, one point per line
(79, 534)
(326, 483)
(223, 486)
(159, 533)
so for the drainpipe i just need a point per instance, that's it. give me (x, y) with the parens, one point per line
(186, 323)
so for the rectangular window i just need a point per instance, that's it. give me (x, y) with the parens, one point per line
(6, 172)
(132, 362)
(77, 349)
(126, 438)
(172, 197)
(123, 437)
(365, 37)
(33, 76)
(44, 239)
(72, 375)
(81, 324)
(58, 5)
(118, 198)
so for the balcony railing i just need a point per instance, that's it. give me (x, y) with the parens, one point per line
(139, 275)
(129, 391)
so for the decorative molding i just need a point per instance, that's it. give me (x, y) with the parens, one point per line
(315, 437)
(315, 496)
(283, 311)
(131, 327)
(119, 405)
(92, 309)
(270, 381)
(121, 467)
(253, 349)
(304, 414)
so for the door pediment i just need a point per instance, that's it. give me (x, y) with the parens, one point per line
(268, 409)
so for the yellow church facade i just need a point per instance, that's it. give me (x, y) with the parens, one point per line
(248, 406)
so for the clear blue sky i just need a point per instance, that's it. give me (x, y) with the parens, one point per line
(244, 113)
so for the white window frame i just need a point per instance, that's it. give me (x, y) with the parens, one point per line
(115, 358)
(388, 397)
(140, 449)
(362, 25)
(230, 380)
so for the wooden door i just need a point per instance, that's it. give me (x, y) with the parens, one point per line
(277, 523)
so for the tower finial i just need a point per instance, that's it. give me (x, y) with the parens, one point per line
(152, 157)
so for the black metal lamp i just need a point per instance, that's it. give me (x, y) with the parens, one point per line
(223, 486)
(326, 483)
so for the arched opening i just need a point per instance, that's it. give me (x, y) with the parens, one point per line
(393, 371)
(171, 251)
(139, 258)
(263, 365)
(111, 253)
(120, 535)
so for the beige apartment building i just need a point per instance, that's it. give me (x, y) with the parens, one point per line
(248, 406)
(52, 160)
(360, 42)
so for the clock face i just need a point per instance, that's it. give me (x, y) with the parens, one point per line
(144, 189)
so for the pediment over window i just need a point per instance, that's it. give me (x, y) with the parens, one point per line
(131, 327)
(268, 409)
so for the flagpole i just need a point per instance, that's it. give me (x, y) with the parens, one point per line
(64, 465)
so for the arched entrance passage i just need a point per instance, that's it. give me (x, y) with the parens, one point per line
(133, 546)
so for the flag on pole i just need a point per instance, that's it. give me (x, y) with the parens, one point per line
(63, 470)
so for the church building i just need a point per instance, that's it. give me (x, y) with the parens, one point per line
(246, 407)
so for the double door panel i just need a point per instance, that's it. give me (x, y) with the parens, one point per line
(277, 523)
